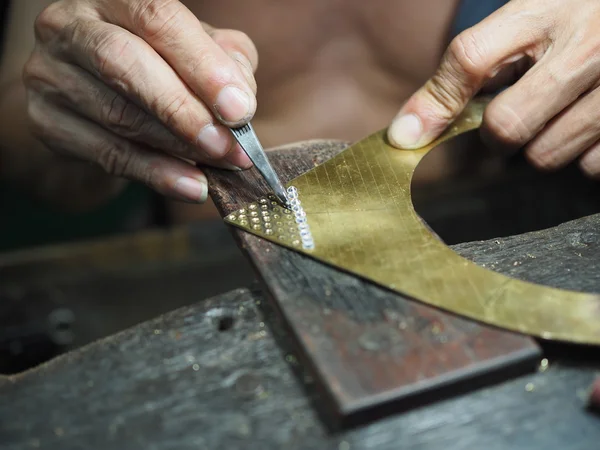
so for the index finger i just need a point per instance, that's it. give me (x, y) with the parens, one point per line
(177, 35)
(473, 57)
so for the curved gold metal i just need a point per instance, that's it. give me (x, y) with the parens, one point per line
(362, 220)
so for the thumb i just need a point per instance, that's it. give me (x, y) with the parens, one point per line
(473, 57)
(442, 98)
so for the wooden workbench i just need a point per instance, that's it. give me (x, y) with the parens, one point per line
(224, 373)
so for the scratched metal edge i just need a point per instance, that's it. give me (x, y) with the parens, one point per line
(555, 336)
(408, 297)
(424, 302)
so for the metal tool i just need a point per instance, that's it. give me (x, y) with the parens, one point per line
(248, 140)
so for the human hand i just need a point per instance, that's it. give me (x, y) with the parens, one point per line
(553, 110)
(142, 88)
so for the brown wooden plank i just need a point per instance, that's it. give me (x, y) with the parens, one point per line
(371, 350)
(185, 381)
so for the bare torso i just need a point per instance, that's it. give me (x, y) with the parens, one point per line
(334, 68)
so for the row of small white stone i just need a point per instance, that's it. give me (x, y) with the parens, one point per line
(294, 203)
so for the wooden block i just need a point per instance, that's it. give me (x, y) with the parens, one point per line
(372, 351)
(185, 381)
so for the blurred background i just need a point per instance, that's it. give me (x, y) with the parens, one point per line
(69, 279)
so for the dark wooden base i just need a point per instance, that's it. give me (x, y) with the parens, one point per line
(372, 351)
(185, 381)
(212, 376)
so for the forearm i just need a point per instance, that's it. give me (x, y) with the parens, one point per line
(27, 163)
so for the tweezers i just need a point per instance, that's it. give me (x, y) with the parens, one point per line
(249, 142)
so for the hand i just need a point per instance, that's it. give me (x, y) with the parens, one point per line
(553, 110)
(142, 88)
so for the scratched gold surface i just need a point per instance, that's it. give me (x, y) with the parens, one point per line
(359, 208)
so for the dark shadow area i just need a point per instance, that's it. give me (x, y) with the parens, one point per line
(571, 355)
(48, 309)
(476, 203)
(225, 323)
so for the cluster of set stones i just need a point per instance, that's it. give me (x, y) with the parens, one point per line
(306, 237)
(268, 217)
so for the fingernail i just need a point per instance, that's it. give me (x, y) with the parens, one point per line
(406, 131)
(233, 104)
(191, 189)
(228, 166)
(216, 141)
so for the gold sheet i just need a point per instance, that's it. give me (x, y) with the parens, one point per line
(359, 209)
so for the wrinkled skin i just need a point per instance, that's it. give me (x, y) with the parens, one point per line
(113, 82)
(551, 49)
(132, 85)
(140, 86)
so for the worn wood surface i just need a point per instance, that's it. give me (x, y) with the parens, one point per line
(140, 389)
(371, 350)
(114, 283)
(212, 376)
